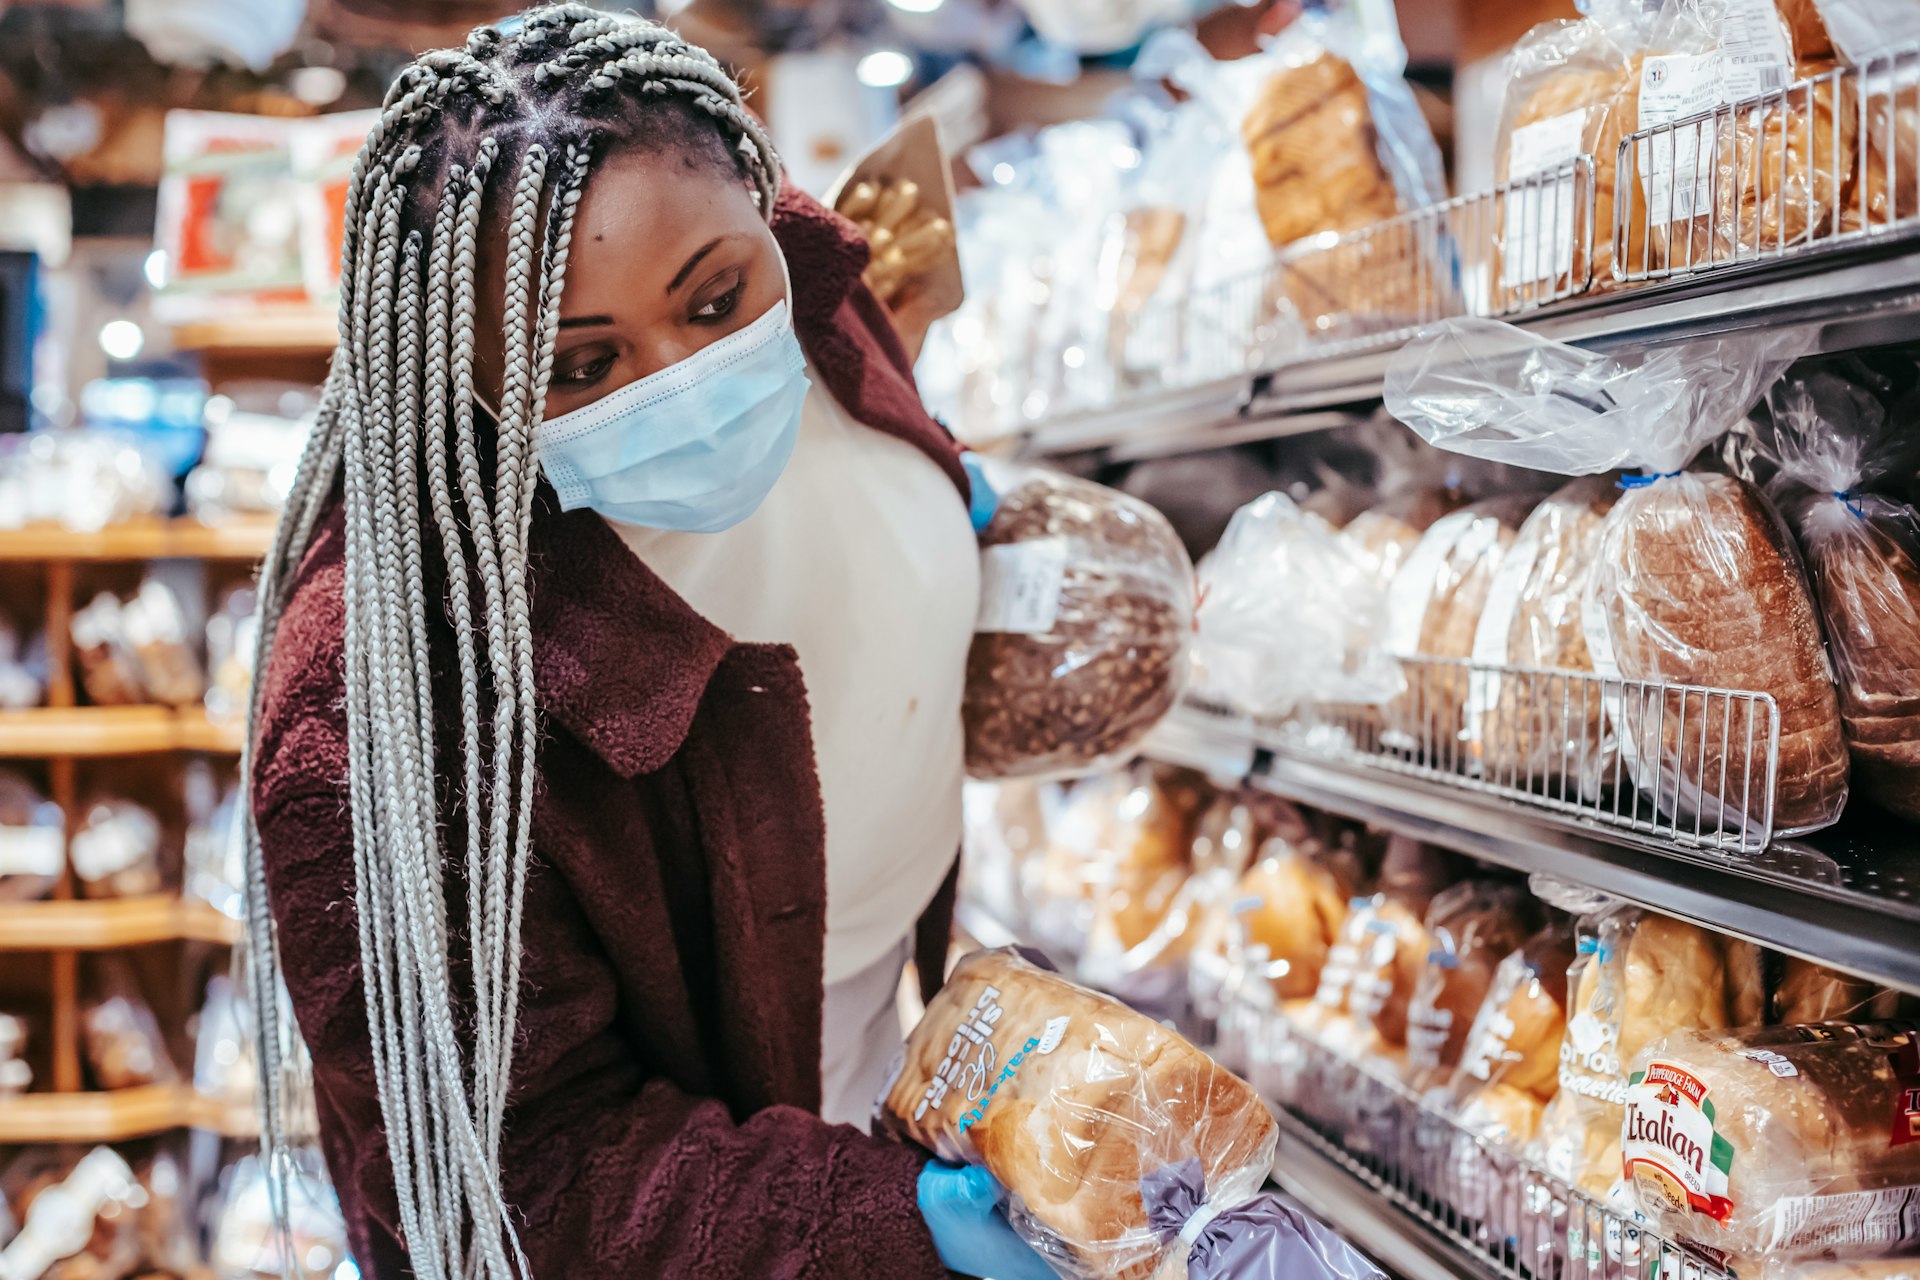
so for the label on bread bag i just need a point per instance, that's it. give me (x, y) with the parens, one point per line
(1754, 57)
(1676, 162)
(1020, 586)
(1538, 218)
(1851, 1222)
(1668, 1143)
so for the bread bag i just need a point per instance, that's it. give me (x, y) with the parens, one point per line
(33, 840)
(1828, 439)
(1809, 992)
(1074, 1102)
(1778, 1141)
(1531, 728)
(1473, 927)
(1514, 1040)
(1086, 606)
(1695, 583)
(1386, 534)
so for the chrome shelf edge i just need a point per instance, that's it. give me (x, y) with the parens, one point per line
(1868, 295)
(1306, 1167)
(1824, 923)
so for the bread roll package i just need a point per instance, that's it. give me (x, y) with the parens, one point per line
(1809, 992)
(1829, 440)
(1778, 1142)
(1542, 730)
(1473, 927)
(1571, 90)
(1695, 581)
(1086, 606)
(1514, 1040)
(1148, 902)
(1125, 1151)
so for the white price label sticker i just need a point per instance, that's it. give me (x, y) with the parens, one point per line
(1677, 161)
(1539, 216)
(1020, 586)
(1754, 54)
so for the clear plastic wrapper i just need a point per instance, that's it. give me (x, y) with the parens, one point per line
(1085, 616)
(1290, 613)
(1061, 885)
(230, 641)
(212, 854)
(1143, 905)
(155, 627)
(116, 850)
(1386, 534)
(1572, 89)
(1778, 1142)
(81, 479)
(1828, 439)
(23, 666)
(1695, 581)
(1514, 1042)
(1473, 926)
(248, 1246)
(109, 667)
(1754, 179)
(1074, 1102)
(78, 1221)
(15, 1073)
(1282, 919)
(1006, 828)
(1532, 729)
(223, 1062)
(33, 840)
(119, 1033)
(1809, 992)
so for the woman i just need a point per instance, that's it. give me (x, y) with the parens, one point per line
(606, 744)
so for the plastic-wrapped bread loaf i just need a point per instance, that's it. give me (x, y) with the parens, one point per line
(1778, 1141)
(1292, 907)
(1151, 842)
(1809, 992)
(1473, 927)
(1696, 583)
(1514, 1042)
(1312, 141)
(1542, 730)
(1070, 1099)
(1387, 534)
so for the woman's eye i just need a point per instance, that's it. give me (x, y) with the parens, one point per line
(717, 309)
(586, 372)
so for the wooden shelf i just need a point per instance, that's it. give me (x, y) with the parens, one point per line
(290, 331)
(118, 1114)
(242, 539)
(103, 924)
(113, 731)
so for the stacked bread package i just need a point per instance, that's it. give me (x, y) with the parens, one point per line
(1828, 440)
(1126, 1152)
(1760, 177)
(1433, 610)
(1695, 581)
(1086, 608)
(1540, 729)
(1779, 1142)
(1142, 888)
(1572, 90)
(1473, 928)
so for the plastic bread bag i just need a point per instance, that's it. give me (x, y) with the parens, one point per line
(15, 1073)
(1778, 1142)
(1696, 581)
(23, 667)
(33, 840)
(1514, 1041)
(1572, 90)
(1288, 907)
(116, 850)
(1433, 609)
(1474, 926)
(1289, 614)
(1529, 728)
(1828, 439)
(109, 669)
(1143, 887)
(1810, 992)
(155, 628)
(247, 1244)
(1061, 884)
(1765, 173)
(230, 642)
(1086, 609)
(1386, 534)
(1072, 1101)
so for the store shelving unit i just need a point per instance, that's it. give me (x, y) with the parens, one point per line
(64, 734)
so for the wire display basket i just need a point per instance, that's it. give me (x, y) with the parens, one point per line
(1482, 1194)
(1669, 763)
(1827, 163)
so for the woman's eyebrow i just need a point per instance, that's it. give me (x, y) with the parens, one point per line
(694, 261)
(582, 322)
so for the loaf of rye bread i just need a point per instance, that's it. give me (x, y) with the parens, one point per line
(1696, 583)
(1069, 1098)
(1867, 576)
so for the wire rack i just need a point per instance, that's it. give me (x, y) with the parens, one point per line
(1670, 763)
(1827, 163)
(1521, 1221)
(1502, 252)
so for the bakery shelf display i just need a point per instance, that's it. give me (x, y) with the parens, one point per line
(114, 731)
(115, 1115)
(239, 540)
(112, 923)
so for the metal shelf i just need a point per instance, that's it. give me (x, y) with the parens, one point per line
(1848, 896)
(1866, 295)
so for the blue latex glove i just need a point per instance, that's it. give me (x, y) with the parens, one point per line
(962, 1209)
(985, 500)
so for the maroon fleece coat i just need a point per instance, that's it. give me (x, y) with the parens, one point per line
(666, 1084)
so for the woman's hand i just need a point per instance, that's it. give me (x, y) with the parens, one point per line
(962, 1209)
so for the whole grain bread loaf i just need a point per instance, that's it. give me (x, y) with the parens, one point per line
(1696, 583)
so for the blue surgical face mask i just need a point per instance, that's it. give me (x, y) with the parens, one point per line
(695, 447)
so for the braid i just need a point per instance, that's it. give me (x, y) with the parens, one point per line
(397, 439)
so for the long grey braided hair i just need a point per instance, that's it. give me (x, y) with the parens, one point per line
(496, 136)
